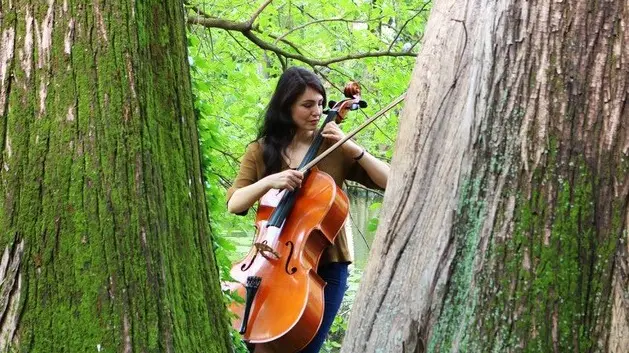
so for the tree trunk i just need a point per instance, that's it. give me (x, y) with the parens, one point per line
(103, 223)
(504, 225)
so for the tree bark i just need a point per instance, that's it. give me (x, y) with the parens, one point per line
(103, 224)
(504, 224)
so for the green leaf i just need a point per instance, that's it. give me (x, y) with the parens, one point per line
(375, 206)
(372, 225)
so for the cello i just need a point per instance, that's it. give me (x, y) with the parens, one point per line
(283, 294)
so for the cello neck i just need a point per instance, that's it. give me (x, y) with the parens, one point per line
(316, 143)
(280, 213)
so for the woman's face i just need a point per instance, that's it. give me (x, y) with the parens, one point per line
(307, 109)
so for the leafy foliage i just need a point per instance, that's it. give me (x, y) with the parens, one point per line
(233, 79)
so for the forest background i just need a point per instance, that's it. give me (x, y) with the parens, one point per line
(503, 227)
(237, 50)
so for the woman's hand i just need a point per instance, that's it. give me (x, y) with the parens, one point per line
(243, 198)
(288, 179)
(334, 133)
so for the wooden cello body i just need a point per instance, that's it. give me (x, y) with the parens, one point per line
(288, 306)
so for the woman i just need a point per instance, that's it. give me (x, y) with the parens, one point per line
(289, 127)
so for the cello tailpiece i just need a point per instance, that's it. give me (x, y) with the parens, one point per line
(253, 282)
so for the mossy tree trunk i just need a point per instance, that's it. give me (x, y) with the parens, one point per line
(103, 224)
(504, 226)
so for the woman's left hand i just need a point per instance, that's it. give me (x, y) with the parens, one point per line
(333, 132)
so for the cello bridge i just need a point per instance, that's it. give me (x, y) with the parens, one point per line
(265, 250)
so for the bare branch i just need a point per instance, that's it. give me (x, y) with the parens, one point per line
(318, 21)
(397, 35)
(219, 23)
(227, 156)
(258, 12)
(362, 235)
(366, 55)
(347, 76)
(242, 46)
(358, 186)
(268, 46)
(225, 182)
(383, 133)
(325, 77)
(333, 33)
(289, 43)
(415, 44)
(282, 61)
(199, 11)
(247, 28)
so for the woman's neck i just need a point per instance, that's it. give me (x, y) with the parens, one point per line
(303, 137)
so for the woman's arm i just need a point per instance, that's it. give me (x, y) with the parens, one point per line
(377, 170)
(243, 198)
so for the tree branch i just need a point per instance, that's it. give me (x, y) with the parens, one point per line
(258, 12)
(219, 23)
(358, 186)
(325, 77)
(199, 11)
(292, 45)
(268, 46)
(333, 33)
(318, 21)
(247, 28)
(242, 46)
(397, 35)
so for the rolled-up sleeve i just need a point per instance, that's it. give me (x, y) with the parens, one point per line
(248, 173)
(358, 174)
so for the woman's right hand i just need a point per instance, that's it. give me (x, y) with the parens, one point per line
(289, 179)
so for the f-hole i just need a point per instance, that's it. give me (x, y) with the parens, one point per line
(245, 267)
(290, 256)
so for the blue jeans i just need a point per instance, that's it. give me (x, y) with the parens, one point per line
(335, 274)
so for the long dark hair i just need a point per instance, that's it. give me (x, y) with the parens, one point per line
(278, 128)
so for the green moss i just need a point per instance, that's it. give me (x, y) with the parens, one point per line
(108, 198)
(545, 286)
(456, 316)
(548, 287)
